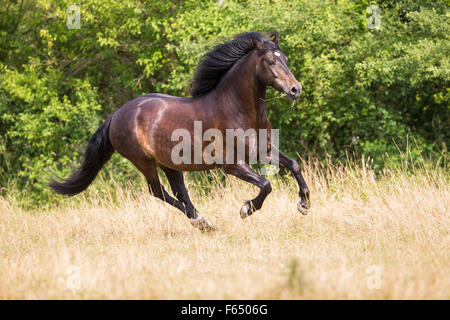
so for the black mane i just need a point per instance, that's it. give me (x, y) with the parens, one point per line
(218, 61)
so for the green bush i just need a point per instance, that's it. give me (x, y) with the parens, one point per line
(42, 126)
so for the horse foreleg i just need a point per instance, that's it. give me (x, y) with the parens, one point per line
(244, 172)
(294, 167)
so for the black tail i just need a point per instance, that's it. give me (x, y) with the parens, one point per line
(98, 152)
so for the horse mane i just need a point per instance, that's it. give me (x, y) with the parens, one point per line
(215, 64)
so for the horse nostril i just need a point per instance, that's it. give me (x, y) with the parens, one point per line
(294, 90)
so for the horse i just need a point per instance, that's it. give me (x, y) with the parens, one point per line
(228, 92)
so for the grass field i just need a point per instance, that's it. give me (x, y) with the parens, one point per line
(364, 237)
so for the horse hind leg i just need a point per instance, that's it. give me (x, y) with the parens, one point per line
(176, 181)
(150, 171)
(155, 188)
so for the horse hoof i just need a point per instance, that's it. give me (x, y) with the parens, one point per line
(207, 228)
(302, 207)
(247, 210)
(202, 225)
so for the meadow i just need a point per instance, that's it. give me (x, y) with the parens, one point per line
(375, 77)
(366, 236)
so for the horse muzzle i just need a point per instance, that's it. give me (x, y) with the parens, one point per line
(294, 92)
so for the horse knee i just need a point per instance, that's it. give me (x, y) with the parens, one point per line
(295, 167)
(266, 188)
(305, 191)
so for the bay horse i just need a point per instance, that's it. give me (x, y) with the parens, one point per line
(228, 91)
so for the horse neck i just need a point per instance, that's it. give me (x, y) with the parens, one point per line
(241, 90)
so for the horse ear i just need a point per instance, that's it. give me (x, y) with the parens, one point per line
(274, 37)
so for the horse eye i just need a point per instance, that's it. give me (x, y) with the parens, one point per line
(271, 62)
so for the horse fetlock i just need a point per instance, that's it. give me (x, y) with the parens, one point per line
(198, 220)
(304, 192)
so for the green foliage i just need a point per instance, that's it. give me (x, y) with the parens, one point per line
(40, 124)
(363, 88)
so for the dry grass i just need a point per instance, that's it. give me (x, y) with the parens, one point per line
(385, 238)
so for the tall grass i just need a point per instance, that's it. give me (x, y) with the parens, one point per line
(367, 235)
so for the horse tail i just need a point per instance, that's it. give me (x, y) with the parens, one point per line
(98, 152)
